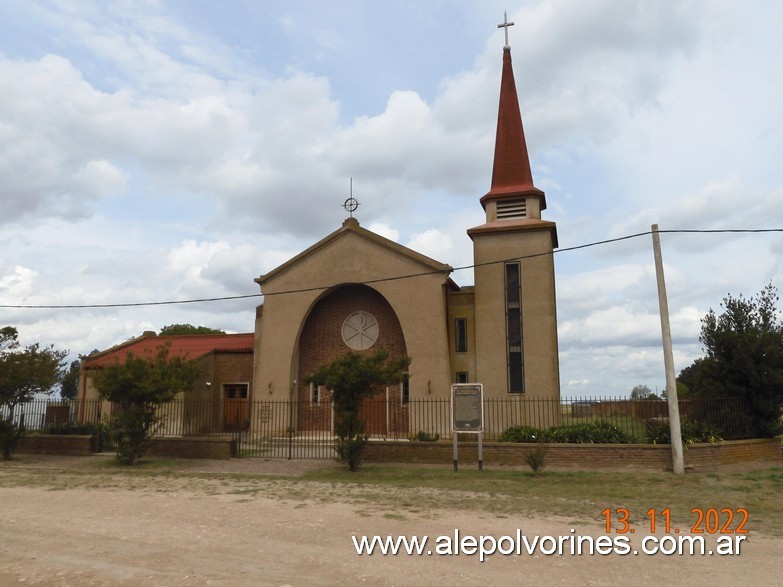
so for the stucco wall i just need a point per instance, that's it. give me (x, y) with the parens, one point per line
(462, 305)
(539, 322)
(350, 256)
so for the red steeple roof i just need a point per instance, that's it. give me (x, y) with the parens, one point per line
(511, 176)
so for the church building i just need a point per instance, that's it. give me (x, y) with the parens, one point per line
(357, 290)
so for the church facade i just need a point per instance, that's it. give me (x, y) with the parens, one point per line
(356, 290)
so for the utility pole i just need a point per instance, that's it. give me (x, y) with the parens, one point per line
(678, 464)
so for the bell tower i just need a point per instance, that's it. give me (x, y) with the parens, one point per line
(516, 322)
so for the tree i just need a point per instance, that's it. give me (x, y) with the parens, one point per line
(744, 359)
(24, 372)
(641, 392)
(28, 371)
(138, 387)
(693, 376)
(352, 378)
(69, 387)
(183, 329)
(8, 338)
(682, 391)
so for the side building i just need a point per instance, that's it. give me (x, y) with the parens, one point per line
(220, 398)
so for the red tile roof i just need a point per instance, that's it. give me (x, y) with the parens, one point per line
(190, 346)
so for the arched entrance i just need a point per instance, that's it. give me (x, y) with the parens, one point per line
(358, 318)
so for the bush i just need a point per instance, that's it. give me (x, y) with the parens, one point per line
(535, 457)
(131, 430)
(69, 429)
(352, 378)
(349, 450)
(690, 430)
(422, 436)
(600, 432)
(520, 434)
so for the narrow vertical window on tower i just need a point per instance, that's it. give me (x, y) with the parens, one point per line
(461, 332)
(516, 362)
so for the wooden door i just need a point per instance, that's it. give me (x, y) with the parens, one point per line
(375, 415)
(235, 406)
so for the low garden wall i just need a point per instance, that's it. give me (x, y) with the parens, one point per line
(578, 456)
(572, 456)
(57, 444)
(196, 447)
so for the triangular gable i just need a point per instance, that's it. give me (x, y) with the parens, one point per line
(351, 226)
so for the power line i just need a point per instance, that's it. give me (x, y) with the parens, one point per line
(128, 304)
(381, 279)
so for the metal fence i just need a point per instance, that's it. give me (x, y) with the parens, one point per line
(296, 430)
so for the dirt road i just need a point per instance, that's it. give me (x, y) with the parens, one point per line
(62, 529)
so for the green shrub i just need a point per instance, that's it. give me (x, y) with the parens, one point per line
(349, 450)
(422, 436)
(69, 429)
(600, 432)
(520, 434)
(690, 430)
(131, 431)
(536, 456)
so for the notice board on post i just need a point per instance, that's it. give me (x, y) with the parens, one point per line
(467, 407)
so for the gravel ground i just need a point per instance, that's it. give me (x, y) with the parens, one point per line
(60, 527)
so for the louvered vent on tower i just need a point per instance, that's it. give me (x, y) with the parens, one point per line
(511, 209)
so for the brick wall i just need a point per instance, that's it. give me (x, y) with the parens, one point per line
(57, 444)
(579, 456)
(736, 451)
(212, 447)
(234, 368)
(321, 342)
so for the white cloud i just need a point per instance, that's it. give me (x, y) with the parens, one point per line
(432, 243)
(100, 179)
(385, 230)
(578, 383)
(149, 155)
(17, 283)
(598, 64)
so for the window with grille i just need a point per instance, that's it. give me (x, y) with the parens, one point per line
(516, 362)
(235, 390)
(461, 335)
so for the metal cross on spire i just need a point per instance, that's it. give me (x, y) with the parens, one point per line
(351, 204)
(505, 24)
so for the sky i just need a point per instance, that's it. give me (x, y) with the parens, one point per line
(156, 151)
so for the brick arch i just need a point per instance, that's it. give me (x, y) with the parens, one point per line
(320, 341)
